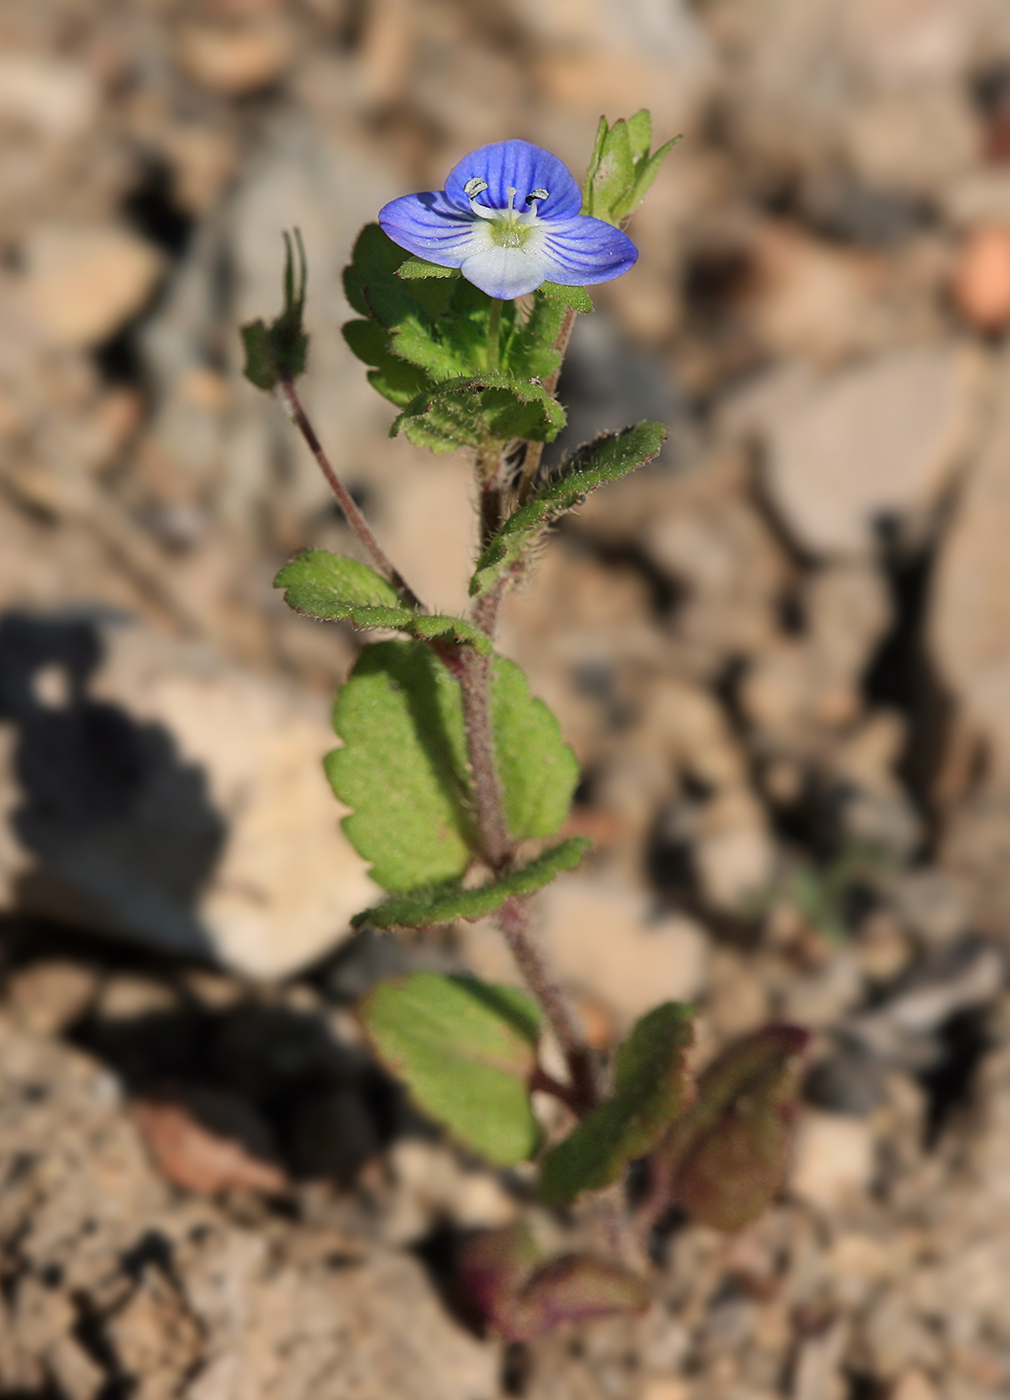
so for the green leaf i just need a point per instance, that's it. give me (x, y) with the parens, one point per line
(575, 297)
(529, 352)
(333, 588)
(537, 771)
(649, 1090)
(414, 268)
(728, 1154)
(610, 456)
(402, 768)
(278, 351)
(428, 908)
(466, 1050)
(374, 262)
(488, 404)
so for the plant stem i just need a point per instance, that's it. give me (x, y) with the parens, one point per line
(535, 450)
(513, 921)
(475, 687)
(494, 334)
(352, 514)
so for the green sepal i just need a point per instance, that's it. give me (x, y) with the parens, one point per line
(489, 404)
(608, 457)
(466, 1051)
(403, 767)
(650, 1087)
(279, 351)
(529, 353)
(621, 168)
(333, 588)
(414, 268)
(428, 908)
(575, 297)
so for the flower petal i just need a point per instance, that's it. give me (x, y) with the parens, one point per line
(523, 167)
(430, 227)
(504, 272)
(582, 251)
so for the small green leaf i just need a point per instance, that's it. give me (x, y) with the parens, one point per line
(537, 770)
(332, 588)
(575, 297)
(610, 456)
(649, 1092)
(414, 268)
(278, 351)
(428, 908)
(466, 1050)
(402, 768)
(529, 352)
(727, 1155)
(374, 261)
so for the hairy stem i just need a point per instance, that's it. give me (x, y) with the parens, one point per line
(535, 450)
(352, 514)
(494, 334)
(513, 920)
(475, 686)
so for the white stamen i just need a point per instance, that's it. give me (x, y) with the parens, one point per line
(534, 195)
(474, 187)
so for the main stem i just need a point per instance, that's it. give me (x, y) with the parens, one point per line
(496, 844)
(346, 502)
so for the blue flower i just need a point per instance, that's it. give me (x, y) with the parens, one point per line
(509, 219)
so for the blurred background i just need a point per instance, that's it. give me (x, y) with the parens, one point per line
(782, 654)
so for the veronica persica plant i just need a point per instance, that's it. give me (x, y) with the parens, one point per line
(509, 218)
(457, 778)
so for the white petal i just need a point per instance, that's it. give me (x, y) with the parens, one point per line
(507, 272)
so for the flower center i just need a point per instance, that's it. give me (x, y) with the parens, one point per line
(511, 227)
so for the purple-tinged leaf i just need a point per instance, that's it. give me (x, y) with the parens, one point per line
(727, 1156)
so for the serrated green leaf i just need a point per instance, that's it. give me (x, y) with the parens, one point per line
(395, 379)
(575, 297)
(608, 457)
(374, 261)
(428, 908)
(466, 1050)
(727, 1155)
(488, 404)
(650, 1084)
(403, 768)
(537, 771)
(333, 588)
(414, 268)
(529, 352)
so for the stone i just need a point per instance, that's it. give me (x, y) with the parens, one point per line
(238, 58)
(912, 140)
(913, 1384)
(600, 938)
(833, 1158)
(969, 619)
(980, 283)
(872, 448)
(171, 799)
(47, 997)
(85, 281)
(209, 1141)
(55, 97)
